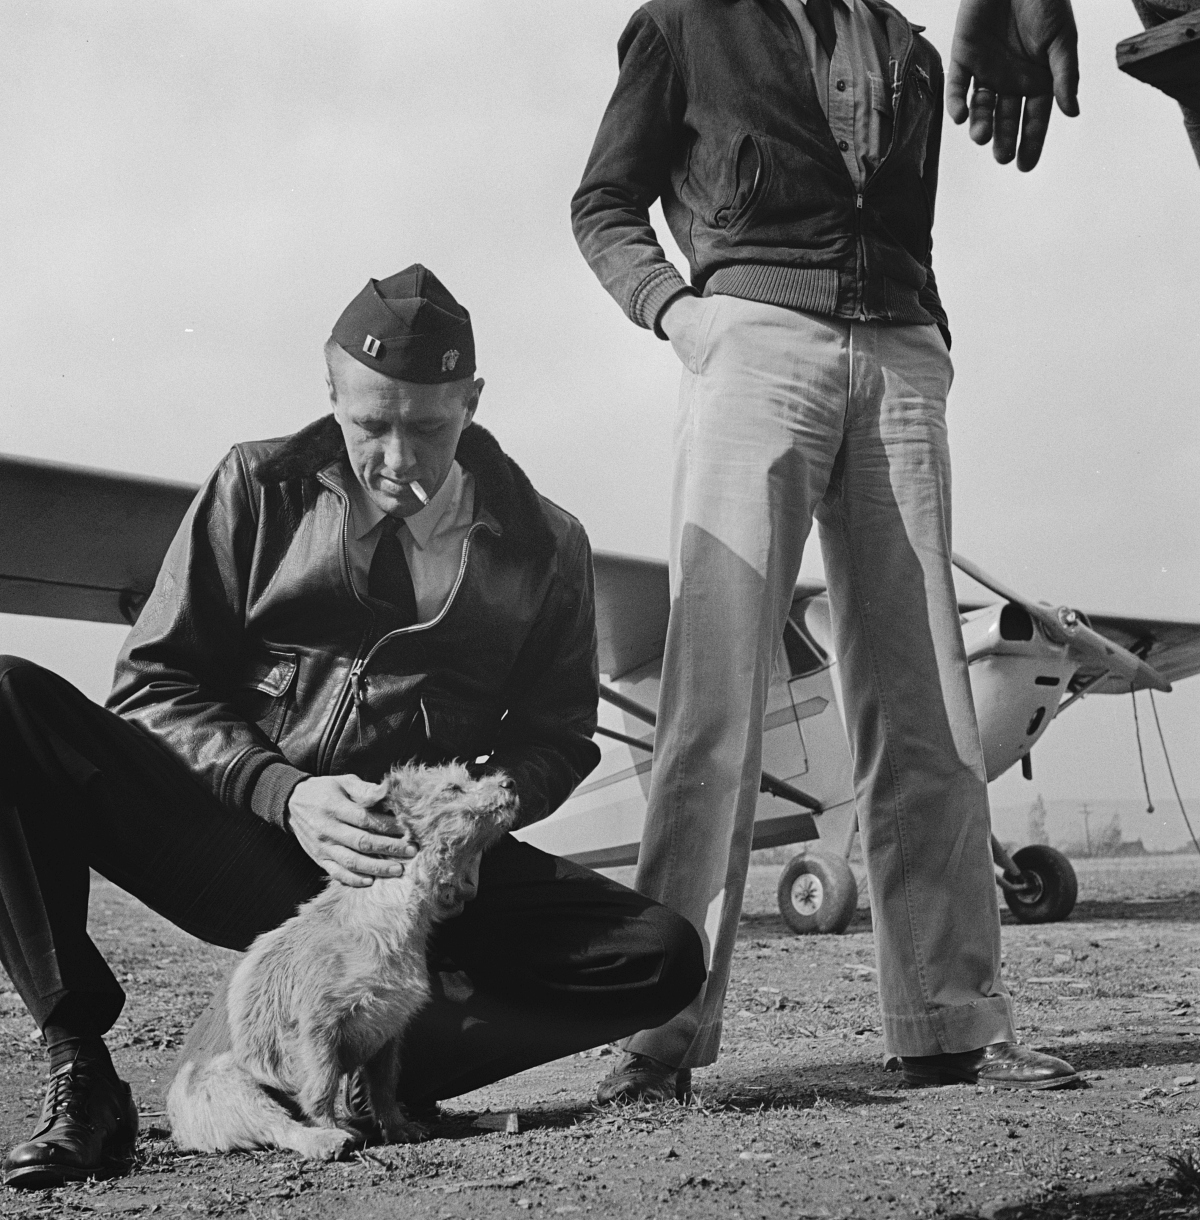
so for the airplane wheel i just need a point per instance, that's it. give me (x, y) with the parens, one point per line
(817, 893)
(1052, 885)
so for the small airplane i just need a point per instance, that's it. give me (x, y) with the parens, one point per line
(80, 543)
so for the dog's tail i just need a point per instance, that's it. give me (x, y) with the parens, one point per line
(215, 1106)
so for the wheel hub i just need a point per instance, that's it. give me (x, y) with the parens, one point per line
(807, 894)
(1031, 889)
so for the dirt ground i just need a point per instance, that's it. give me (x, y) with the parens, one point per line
(797, 1119)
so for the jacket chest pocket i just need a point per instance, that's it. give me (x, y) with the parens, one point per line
(919, 103)
(266, 692)
(456, 729)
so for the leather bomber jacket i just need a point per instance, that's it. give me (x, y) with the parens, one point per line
(256, 663)
(716, 113)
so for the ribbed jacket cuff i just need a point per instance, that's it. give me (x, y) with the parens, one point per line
(652, 295)
(272, 791)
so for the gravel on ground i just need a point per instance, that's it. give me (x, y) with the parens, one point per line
(797, 1119)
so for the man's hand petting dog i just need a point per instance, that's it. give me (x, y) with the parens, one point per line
(334, 821)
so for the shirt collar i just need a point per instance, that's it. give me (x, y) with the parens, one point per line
(366, 514)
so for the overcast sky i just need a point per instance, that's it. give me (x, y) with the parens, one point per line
(194, 191)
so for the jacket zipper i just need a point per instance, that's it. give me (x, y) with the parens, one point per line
(860, 261)
(860, 253)
(359, 666)
(861, 258)
(336, 714)
(353, 693)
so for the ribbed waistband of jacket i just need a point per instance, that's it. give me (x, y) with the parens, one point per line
(816, 289)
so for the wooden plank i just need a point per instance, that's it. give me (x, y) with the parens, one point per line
(1158, 9)
(1166, 56)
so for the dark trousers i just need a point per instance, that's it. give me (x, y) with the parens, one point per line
(548, 959)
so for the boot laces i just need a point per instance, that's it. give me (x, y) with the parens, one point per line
(65, 1092)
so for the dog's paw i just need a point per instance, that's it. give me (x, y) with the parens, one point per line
(324, 1143)
(401, 1130)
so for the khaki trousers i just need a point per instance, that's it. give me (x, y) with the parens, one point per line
(785, 416)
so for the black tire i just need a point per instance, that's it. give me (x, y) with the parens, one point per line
(817, 893)
(1053, 886)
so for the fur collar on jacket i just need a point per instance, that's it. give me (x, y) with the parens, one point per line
(500, 484)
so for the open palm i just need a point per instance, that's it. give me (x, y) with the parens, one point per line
(1021, 55)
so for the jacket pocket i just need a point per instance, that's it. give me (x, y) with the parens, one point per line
(266, 690)
(919, 106)
(879, 121)
(746, 176)
(456, 729)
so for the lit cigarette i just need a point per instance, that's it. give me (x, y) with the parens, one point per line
(418, 491)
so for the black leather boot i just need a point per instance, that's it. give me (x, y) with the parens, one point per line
(88, 1117)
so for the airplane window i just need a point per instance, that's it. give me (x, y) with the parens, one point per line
(803, 653)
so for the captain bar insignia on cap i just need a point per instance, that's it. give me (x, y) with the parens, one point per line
(409, 327)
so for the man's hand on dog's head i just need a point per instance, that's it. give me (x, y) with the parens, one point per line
(333, 820)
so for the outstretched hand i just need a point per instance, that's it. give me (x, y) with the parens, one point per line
(1015, 51)
(333, 821)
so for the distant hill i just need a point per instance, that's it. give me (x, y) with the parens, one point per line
(1162, 830)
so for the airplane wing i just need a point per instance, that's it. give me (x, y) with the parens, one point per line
(1170, 646)
(81, 543)
(87, 544)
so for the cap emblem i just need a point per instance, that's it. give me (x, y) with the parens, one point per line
(371, 345)
(449, 360)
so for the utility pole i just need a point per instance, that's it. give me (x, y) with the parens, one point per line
(1086, 813)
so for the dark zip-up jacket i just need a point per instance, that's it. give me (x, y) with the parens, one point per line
(716, 113)
(257, 664)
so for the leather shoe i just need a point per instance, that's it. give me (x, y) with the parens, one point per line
(87, 1118)
(640, 1078)
(1003, 1064)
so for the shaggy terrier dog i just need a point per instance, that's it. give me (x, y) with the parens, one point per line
(334, 987)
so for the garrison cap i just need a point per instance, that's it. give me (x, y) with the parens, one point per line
(408, 327)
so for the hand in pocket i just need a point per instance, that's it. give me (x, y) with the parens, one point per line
(681, 324)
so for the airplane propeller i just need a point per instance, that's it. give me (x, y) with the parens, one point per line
(1064, 626)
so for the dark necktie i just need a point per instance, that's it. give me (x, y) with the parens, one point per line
(820, 13)
(389, 579)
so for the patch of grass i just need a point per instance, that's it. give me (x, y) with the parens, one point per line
(1185, 1173)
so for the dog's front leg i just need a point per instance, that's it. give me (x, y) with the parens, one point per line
(316, 1063)
(382, 1071)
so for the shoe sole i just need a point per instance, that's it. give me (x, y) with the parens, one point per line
(939, 1079)
(42, 1177)
(39, 1177)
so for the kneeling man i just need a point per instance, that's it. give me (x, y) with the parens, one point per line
(383, 586)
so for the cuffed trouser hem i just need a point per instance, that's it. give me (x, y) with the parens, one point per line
(950, 1031)
(678, 1044)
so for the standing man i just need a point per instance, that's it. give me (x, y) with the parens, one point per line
(383, 586)
(794, 147)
